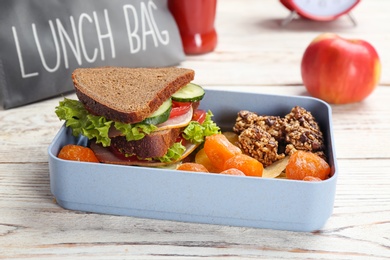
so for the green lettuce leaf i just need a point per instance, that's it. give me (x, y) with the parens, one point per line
(97, 127)
(173, 153)
(196, 132)
(136, 131)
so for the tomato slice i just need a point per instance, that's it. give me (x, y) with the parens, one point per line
(199, 115)
(179, 108)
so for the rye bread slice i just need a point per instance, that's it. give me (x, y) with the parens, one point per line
(153, 145)
(127, 95)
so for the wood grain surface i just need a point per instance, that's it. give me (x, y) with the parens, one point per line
(254, 54)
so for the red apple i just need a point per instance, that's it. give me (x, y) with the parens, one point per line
(339, 70)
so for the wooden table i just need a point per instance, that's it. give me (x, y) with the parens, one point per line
(254, 54)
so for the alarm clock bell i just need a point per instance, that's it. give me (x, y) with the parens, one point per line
(319, 10)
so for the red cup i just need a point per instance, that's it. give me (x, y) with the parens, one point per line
(195, 19)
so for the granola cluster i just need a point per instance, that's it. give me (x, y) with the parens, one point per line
(302, 132)
(270, 138)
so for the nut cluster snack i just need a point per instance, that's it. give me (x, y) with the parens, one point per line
(270, 138)
(302, 132)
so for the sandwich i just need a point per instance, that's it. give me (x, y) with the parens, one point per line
(138, 116)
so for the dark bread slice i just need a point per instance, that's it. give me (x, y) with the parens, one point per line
(127, 95)
(153, 145)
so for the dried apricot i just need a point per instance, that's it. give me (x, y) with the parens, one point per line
(218, 148)
(311, 178)
(302, 164)
(192, 167)
(77, 153)
(233, 171)
(248, 165)
(202, 158)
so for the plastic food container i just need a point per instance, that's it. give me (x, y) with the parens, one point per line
(199, 197)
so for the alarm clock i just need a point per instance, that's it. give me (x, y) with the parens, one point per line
(319, 10)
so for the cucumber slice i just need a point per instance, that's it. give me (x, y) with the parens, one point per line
(189, 93)
(161, 114)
